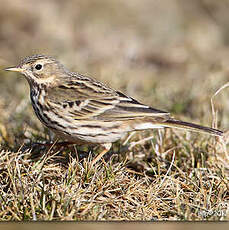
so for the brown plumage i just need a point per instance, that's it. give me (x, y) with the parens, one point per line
(81, 109)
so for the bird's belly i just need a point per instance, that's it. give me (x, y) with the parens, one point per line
(83, 131)
(95, 139)
(89, 132)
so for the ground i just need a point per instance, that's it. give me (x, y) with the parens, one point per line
(172, 55)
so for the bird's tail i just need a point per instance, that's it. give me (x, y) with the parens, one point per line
(190, 126)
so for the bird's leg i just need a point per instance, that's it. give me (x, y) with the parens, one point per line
(107, 147)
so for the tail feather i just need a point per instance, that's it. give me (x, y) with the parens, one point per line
(192, 127)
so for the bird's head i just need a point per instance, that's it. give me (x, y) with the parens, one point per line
(40, 69)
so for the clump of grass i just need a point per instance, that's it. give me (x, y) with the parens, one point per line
(173, 184)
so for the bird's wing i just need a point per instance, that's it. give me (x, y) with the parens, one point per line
(85, 98)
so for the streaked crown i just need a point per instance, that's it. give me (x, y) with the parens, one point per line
(40, 69)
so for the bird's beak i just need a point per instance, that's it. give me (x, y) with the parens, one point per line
(14, 69)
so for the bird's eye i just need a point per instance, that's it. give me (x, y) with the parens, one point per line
(38, 66)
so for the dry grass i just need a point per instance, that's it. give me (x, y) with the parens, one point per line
(152, 183)
(172, 55)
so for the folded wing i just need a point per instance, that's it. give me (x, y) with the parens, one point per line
(85, 98)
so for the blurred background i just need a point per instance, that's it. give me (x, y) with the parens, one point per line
(172, 55)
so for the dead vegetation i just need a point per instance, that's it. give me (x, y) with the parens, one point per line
(172, 55)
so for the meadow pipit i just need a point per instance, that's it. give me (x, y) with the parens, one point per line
(80, 109)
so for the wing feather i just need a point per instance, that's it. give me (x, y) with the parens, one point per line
(86, 98)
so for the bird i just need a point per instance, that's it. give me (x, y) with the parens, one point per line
(83, 110)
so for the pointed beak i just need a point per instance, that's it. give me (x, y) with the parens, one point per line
(14, 69)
